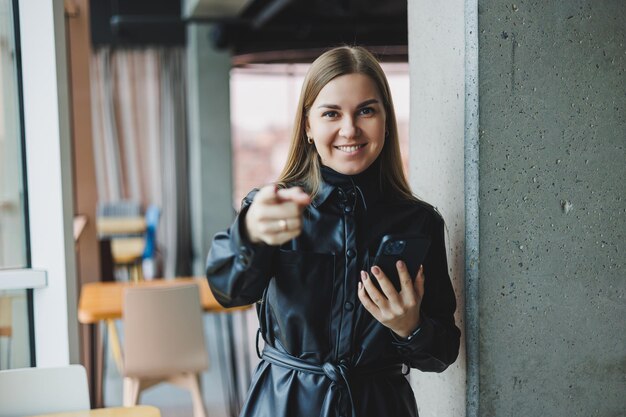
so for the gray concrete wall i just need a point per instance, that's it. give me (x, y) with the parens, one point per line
(210, 179)
(552, 93)
(436, 60)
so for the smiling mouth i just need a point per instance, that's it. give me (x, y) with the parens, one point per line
(350, 149)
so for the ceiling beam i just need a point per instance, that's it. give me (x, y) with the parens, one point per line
(270, 11)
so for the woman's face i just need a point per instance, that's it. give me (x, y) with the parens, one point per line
(347, 123)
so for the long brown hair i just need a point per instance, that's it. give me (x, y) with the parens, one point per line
(303, 163)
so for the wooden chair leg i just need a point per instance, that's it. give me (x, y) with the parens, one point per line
(116, 347)
(131, 391)
(191, 382)
(136, 274)
(9, 353)
(199, 410)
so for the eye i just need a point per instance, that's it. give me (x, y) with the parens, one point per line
(367, 111)
(330, 114)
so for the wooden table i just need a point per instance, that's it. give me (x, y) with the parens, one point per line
(101, 302)
(137, 411)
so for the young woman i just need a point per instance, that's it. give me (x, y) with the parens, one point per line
(336, 330)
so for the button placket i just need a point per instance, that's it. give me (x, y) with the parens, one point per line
(350, 271)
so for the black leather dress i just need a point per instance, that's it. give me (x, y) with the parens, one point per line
(325, 355)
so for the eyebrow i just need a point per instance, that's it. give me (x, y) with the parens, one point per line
(336, 107)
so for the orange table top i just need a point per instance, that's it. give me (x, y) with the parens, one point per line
(137, 411)
(103, 300)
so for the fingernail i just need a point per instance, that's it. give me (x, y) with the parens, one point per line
(360, 285)
(376, 270)
(421, 267)
(363, 275)
(400, 264)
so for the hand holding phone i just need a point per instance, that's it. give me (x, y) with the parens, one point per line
(408, 248)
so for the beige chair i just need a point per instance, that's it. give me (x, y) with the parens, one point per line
(30, 391)
(163, 341)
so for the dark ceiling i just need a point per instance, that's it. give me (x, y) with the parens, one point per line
(263, 30)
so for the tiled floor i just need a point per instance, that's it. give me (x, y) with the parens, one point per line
(176, 402)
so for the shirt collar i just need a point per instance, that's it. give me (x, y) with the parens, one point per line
(368, 184)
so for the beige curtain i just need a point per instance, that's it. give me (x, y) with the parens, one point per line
(140, 140)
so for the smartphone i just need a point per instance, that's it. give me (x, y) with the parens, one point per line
(409, 248)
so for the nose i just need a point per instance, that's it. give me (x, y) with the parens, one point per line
(349, 128)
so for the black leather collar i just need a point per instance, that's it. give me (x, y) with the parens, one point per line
(368, 184)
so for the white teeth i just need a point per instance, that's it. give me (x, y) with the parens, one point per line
(349, 148)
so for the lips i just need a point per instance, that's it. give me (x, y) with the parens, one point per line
(349, 148)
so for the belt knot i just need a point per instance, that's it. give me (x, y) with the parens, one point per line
(338, 373)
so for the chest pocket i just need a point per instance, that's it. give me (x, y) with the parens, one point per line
(300, 297)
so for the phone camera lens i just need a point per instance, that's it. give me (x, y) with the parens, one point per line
(395, 248)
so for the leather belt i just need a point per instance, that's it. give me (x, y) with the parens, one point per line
(339, 374)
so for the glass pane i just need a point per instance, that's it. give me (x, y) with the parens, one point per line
(14, 304)
(12, 226)
(14, 338)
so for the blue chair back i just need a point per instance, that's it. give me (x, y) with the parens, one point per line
(152, 220)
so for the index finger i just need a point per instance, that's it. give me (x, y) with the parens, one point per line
(295, 194)
(385, 284)
(267, 195)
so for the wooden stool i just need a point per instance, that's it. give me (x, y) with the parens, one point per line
(127, 252)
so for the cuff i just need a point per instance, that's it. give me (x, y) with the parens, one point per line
(241, 246)
(417, 340)
(407, 339)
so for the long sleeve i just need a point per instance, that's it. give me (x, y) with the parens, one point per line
(237, 270)
(436, 345)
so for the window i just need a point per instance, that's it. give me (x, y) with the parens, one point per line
(15, 302)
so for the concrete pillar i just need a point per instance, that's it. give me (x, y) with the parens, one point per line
(552, 217)
(436, 58)
(210, 153)
(210, 179)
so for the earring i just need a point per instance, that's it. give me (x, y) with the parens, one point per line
(310, 140)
